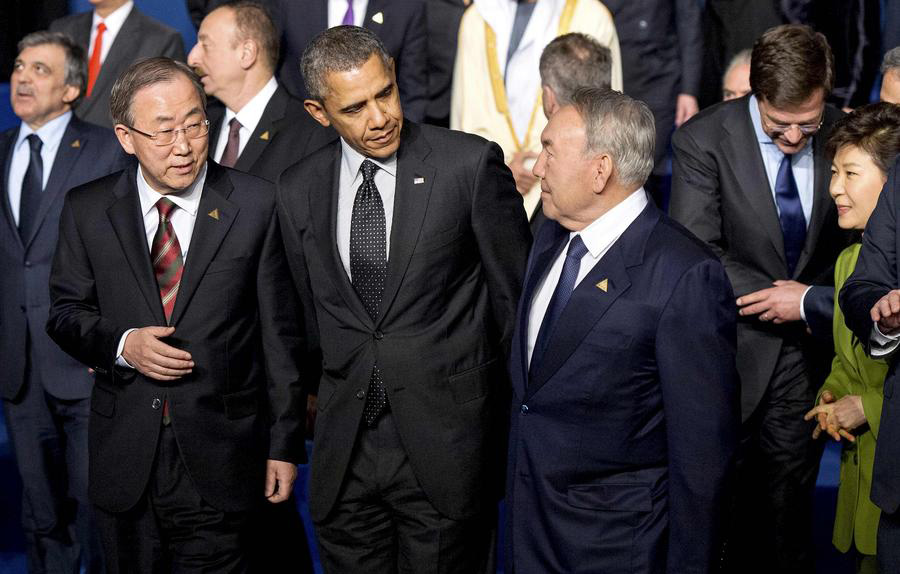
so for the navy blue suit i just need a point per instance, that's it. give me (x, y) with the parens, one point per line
(622, 437)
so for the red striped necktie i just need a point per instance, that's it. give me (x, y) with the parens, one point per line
(166, 256)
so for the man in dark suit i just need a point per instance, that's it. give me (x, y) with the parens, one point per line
(170, 281)
(870, 300)
(261, 129)
(113, 35)
(45, 393)
(750, 178)
(407, 245)
(622, 435)
(400, 24)
(443, 18)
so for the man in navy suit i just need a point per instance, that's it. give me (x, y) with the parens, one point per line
(45, 392)
(625, 406)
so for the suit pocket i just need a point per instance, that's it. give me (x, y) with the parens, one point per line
(473, 383)
(615, 497)
(223, 265)
(241, 404)
(103, 402)
(430, 242)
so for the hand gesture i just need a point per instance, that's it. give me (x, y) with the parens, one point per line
(151, 357)
(886, 312)
(778, 304)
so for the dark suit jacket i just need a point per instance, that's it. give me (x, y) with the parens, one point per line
(720, 192)
(140, 37)
(622, 436)
(402, 29)
(235, 313)
(85, 152)
(458, 247)
(877, 272)
(443, 18)
(285, 134)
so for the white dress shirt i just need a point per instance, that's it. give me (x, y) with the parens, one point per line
(51, 135)
(337, 9)
(248, 116)
(350, 180)
(598, 237)
(114, 22)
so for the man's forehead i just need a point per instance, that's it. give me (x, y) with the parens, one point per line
(43, 53)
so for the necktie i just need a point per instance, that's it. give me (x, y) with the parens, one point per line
(577, 249)
(348, 15)
(32, 186)
(230, 154)
(368, 268)
(94, 63)
(790, 212)
(166, 257)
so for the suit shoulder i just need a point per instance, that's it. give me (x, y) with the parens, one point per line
(252, 186)
(95, 191)
(466, 149)
(322, 155)
(152, 26)
(711, 119)
(679, 244)
(69, 23)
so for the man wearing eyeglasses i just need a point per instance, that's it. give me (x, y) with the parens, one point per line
(750, 178)
(170, 281)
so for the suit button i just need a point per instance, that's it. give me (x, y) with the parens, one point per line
(643, 24)
(524, 409)
(28, 264)
(379, 335)
(360, 394)
(156, 404)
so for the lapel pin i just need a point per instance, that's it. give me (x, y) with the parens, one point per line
(264, 136)
(603, 285)
(214, 214)
(378, 18)
(76, 143)
(418, 180)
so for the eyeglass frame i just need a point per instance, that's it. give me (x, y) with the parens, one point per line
(174, 131)
(805, 129)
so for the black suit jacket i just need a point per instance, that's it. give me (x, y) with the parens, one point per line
(285, 134)
(458, 247)
(140, 37)
(235, 313)
(399, 23)
(443, 18)
(721, 193)
(85, 152)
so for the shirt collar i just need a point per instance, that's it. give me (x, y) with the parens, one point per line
(116, 18)
(50, 133)
(252, 111)
(762, 137)
(188, 200)
(352, 159)
(603, 231)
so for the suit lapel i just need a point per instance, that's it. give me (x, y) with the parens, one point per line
(821, 203)
(6, 148)
(265, 131)
(208, 234)
(373, 8)
(216, 115)
(128, 224)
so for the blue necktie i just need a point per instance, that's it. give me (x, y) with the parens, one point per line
(32, 186)
(561, 295)
(790, 212)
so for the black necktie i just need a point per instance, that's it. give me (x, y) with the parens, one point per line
(790, 213)
(32, 186)
(368, 269)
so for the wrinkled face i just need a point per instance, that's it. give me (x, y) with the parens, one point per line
(217, 56)
(163, 106)
(890, 86)
(792, 127)
(363, 105)
(566, 173)
(856, 182)
(38, 90)
(736, 82)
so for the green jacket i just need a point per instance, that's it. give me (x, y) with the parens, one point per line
(854, 373)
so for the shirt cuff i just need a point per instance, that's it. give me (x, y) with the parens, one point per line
(881, 344)
(120, 360)
(802, 306)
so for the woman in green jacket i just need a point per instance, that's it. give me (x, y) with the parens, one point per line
(862, 145)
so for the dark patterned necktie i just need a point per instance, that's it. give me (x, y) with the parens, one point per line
(790, 214)
(166, 257)
(32, 186)
(368, 269)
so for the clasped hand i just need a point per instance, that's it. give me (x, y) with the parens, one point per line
(151, 357)
(886, 312)
(837, 417)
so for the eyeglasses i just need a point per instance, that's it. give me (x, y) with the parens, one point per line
(168, 137)
(775, 131)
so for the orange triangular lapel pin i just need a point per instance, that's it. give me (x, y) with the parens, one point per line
(603, 285)
(214, 214)
(76, 143)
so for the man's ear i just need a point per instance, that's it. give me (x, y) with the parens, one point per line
(70, 94)
(249, 54)
(602, 172)
(316, 109)
(124, 136)
(548, 99)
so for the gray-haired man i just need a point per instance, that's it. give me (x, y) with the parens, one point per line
(890, 76)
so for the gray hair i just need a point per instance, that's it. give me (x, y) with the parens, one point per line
(891, 60)
(76, 68)
(142, 74)
(572, 61)
(742, 58)
(338, 49)
(620, 126)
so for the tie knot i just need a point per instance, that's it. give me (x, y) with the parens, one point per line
(165, 206)
(577, 248)
(368, 169)
(234, 125)
(101, 27)
(35, 142)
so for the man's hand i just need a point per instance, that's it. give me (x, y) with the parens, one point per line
(886, 312)
(685, 108)
(520, 165)
(280, 477)
(151, 357)
(778, 304)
